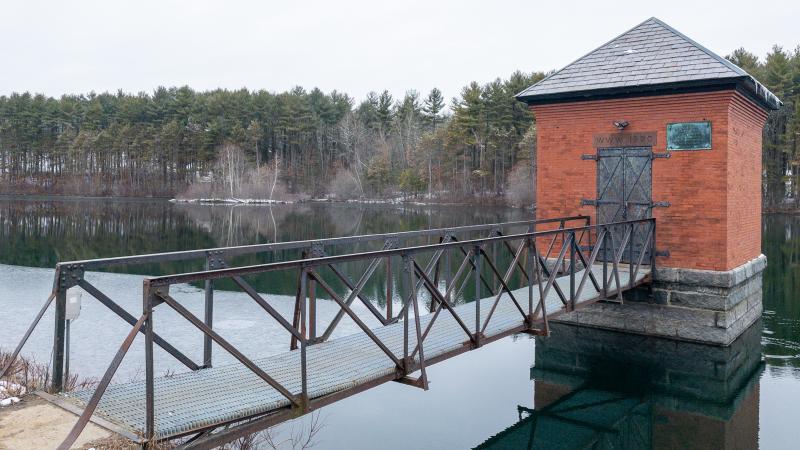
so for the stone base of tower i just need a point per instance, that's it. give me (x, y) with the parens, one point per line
(705, 306)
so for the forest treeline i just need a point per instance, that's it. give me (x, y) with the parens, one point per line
(178, 141)
(306, 142)
(780, 73)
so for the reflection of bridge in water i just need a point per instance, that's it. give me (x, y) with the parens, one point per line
(601, 389)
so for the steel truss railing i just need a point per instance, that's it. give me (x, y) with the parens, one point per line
(531, 257)
(72, 273)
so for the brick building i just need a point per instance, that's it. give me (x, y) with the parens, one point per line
(652, 124)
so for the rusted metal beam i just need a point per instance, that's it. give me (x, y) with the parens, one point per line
(59, 332)
(266, 306)
(314, 262)
(230, 348)
(127, 317)
(354, 293)
(346, 308)
(83, 420)
(588, 265)
(409, 268)
(429, 285)
(504, 283)
(93, 264)
(349, 283)
(27, 335)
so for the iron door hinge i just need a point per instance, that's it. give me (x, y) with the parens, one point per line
(662, 253)
(588, 157)
(661, 155)
(587, 202)
(660, 205)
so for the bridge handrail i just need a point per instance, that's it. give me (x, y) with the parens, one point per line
(239, 250)
(212, 274)
(156, 292)
(71, 273)
(535, 268)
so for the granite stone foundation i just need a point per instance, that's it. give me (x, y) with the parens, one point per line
(712, 307)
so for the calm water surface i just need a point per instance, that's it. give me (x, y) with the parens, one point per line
(578, 388)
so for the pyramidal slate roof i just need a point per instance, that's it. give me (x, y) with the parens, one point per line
(650, 57)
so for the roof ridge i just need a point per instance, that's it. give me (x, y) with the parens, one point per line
(585, 55)
(649, 57)
(710, 53)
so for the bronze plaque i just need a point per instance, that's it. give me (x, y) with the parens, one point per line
(689, 136)
(623, 139)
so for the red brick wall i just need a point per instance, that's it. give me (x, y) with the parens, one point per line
(713, 222)
(744, 174)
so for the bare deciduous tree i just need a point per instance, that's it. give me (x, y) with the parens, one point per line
(354, 136)
(231, 164)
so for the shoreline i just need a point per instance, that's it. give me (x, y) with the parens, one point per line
(233, 201)
(255, 201)
(364, 201)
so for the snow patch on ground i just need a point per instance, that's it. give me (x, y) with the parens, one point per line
(9, 393)
(9, 401)
(229, 201)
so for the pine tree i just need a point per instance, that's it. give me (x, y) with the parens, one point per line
(384, 111)
(433, 106)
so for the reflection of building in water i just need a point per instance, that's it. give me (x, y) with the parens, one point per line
(601, 389)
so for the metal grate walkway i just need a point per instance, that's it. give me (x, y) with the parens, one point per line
(200, 399)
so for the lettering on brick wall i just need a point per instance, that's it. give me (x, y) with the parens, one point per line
(624, 139)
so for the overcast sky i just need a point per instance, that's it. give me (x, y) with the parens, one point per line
(57, 47)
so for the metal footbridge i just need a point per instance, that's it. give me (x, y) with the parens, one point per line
(459, 289)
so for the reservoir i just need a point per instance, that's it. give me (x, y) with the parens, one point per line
(519, 389)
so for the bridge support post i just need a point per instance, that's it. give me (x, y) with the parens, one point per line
(67, 276)
(476, 254)
(407, 288)
(572, 262)
(149, 301)
(304, 340)
(530, 262)
(605, 262)
(389, 288)
(209, 312)
(59, 337)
